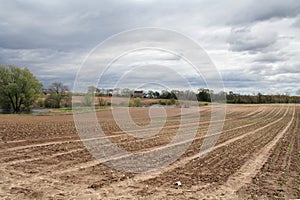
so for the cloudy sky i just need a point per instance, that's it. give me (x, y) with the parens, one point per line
(255, 45)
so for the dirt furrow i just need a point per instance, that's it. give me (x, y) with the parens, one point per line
(250, 168)
(92, 163)
(281, 169)
(155, 148)
(34, 172)
(68, 139)
(58, 143)
(146, 176)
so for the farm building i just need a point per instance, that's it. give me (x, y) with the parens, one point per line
(138, 94)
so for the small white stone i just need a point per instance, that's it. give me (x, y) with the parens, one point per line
(178, 183)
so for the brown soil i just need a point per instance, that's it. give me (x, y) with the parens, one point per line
(255, 157)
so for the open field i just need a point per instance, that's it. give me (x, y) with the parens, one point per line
(255, 157)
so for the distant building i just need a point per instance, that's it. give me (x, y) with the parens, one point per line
(110, 92)
(138, 94)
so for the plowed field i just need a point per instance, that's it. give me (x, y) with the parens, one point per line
(255, 157)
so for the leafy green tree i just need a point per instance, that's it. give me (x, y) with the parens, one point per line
(19, 88)
(168, 95)
(204, 95)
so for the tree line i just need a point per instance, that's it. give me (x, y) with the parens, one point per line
(261, 98)
(202, 95)
(20, 90)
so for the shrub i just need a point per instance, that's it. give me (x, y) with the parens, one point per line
(137, 102)
(172, 101)
(130, 104)
(51, 102)
(88, 100)
(102, 102)
(41, 102)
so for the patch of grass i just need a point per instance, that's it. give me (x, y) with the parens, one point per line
(65, 109)
(203, 104)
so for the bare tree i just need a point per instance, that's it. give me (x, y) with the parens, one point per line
(58, 92)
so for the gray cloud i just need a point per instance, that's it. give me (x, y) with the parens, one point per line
(271, 57)
(64, 25)
(247, 39)
(288, 68)
(259, 69)
(254, 11)
(254, 43)
(73, 24)
(297, 22)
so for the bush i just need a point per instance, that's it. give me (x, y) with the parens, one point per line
(102, 102)
(154, 103)
(167, 102)
(203, 103)
(88, 100)
(130, 104)
(162, 102)
(172, 101)
(67, 100)
(52, 101)
(137, 102)
(41, 102)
